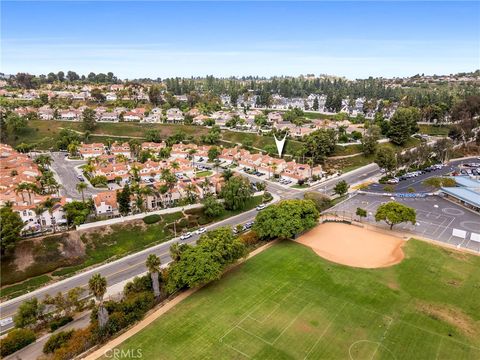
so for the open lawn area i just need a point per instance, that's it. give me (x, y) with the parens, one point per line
(288, 303)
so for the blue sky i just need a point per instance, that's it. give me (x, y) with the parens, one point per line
(161, 39)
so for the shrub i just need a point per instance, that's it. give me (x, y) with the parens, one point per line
(56, 341)
(152, 219)
(267, 197)
(384, 179)
(55, 324)
(16, 340)
(411, 190)
(438, 182)
(389, 188)
(322, 202)
(137, 285)
(250, 238)
(80, 341)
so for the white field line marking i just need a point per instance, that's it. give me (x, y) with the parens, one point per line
(448, 226)
(290, 324)
(382, 338)
(252, 334)
(325, 330)
(269, 314)
(249, 313)
(438, 348)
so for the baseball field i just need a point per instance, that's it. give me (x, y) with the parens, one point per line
(289, 303)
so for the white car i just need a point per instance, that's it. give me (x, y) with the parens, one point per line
(393, 181)
(261, 207)
(200, 231)
(186, 236)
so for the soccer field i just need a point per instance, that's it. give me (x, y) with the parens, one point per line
(288, 303)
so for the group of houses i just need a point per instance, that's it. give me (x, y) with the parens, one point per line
(19, 176)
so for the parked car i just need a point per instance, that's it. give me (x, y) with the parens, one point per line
(200, 231)
(186, 236)
(80, 177)
(393, 181)
(261, 207)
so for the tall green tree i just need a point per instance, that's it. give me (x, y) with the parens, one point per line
(320, 143)
(286, 219)
(123, 199)
(395, 213)
(11, 225)
(28, 313)
(88, 117)
(386, 159)
(236, 192)
(403, 124)
(341, 188)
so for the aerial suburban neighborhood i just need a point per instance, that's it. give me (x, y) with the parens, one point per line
(326, 208)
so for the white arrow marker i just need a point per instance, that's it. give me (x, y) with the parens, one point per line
(280, 144)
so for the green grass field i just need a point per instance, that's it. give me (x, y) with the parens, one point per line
(288, 303)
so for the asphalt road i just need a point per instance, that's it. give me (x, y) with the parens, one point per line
(133, 265)
(67, 176)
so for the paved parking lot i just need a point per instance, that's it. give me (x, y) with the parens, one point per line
(67, 172)
(436, 218)
(417, 182)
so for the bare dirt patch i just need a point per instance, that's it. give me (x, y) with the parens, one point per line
(454, 317)
(354, 246)
(23, 255)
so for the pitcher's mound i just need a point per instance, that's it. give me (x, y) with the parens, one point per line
(354, 246)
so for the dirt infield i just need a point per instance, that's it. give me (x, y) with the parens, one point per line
(354, 246)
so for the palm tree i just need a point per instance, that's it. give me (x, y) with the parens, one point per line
(81, 186)
(43, 160)
(27, 187)
(274, 168)
(39, 209)
(310, 163)
(153, 265)
(192, 153)
(146, 191)
(121, 158)
(227, 174)
(175, 165)
(191, 193)
(98, 287)
(176, 251)
(72, 148)
(49, 204)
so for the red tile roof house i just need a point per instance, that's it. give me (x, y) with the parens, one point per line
(121, 149)
(91, 150)
(295, 171)
(184, 167)
(202, 152)
(70, 115)
(250, 161)
(229, 155)
(157, 200)
(106, 203)
(152, 169)
(271, 166)
(174, 115)
(153, 147)
(132, 116)
(112, 171)
(182, 150)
